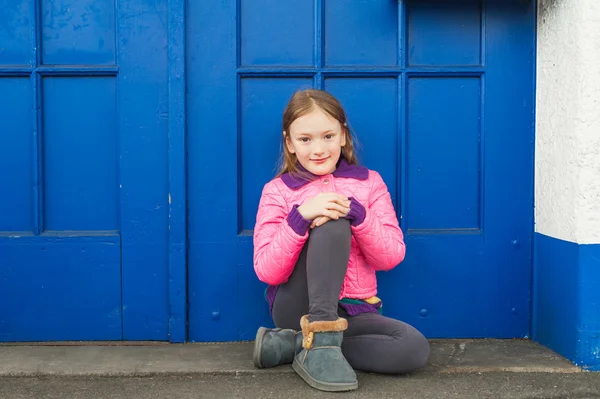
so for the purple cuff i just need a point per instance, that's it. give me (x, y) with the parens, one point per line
(357, 212)
(297, 222)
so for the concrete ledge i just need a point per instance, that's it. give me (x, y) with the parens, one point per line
(132, 360)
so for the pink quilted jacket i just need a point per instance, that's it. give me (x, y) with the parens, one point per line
(377, 241)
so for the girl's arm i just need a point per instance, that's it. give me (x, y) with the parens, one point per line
(278, 237)
(375, 228)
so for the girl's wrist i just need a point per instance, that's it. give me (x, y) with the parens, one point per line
(300, 210)
(297, 222)
(357, 212)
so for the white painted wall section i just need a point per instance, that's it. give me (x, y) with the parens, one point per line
(567, 151)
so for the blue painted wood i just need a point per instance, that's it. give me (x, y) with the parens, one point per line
(449, 267)
(15, 155)
(444, 111)
(79, 135)
(177, 175)
(60, 288)
(367, 71)
(91, 70)
(142, 58)
(37, 147)
(400, 32)
(444, 33)
(81, 32)
(566, 306)
(483, 277)
(212, 143)
(85, 251)
(508, 191)
(283, 35)
(35, 25)
(318, 49)
(15, 33)
(402, 154)
(349, 38)
(36, 88)
(15, 71)
(467, 271)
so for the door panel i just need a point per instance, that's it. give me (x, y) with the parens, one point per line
(364, 34)
(443, 143)
(291, 22)
(83, 150)
(448, 33)
(426, 88)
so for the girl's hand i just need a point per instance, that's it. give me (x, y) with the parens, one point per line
(320, 221)
(331, 205)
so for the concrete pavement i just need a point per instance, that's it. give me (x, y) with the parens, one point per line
(133, 360)
(457, 369)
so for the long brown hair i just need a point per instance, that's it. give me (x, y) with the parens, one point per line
(301, 103)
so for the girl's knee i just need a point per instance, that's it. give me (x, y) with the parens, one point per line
(333, 229)
(408, 352)
(415, 351)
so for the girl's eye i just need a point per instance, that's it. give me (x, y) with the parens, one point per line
(304, 139)
(329, 136)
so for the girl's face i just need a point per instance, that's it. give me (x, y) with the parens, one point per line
(317, 140)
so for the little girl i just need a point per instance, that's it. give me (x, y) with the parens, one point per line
(324, 226)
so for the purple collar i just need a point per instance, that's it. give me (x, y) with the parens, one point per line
(343, 170)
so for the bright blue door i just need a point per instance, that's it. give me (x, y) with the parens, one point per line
(83, 171)
(440, 95)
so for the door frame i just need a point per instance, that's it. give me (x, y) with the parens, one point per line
(177, 271)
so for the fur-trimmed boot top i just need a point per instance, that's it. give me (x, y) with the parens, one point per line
(321, 362)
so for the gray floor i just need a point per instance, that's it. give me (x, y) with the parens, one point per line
(457, 369)
(272, 385)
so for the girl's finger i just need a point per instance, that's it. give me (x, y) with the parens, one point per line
(332, 215)
(324, 220)
(342, 201)
(336, 207)
(315, 221)
(337, 197)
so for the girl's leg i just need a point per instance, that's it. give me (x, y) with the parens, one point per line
(291, 301)
(378, 344)
(314, 286)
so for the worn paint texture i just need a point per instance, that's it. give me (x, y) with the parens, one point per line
(567, 172)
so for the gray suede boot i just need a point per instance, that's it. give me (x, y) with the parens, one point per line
(274, 347)
(321, 362)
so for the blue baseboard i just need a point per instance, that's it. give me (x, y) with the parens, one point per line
(566, 299)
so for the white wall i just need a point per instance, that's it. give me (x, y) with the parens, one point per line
(567, 148)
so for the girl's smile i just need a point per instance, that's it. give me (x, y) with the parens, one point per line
(320, 161)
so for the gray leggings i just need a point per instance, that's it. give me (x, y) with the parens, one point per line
(372, 342)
